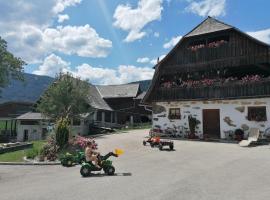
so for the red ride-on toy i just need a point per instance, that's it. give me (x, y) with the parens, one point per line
(157, 142)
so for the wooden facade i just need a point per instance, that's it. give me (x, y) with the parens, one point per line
(213, 52)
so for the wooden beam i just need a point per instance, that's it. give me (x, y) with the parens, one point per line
(263, 67)
(6, 126)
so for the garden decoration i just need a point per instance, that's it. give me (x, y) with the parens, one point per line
(105, 164)
(157, 142)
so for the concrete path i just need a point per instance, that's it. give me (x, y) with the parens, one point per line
(196, 170)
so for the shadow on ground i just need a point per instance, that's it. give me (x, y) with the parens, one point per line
(102, 175)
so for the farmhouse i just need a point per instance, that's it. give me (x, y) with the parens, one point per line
(217, 75)
(117, 105)
(113, 106)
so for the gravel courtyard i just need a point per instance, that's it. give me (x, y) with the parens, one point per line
(195, 170)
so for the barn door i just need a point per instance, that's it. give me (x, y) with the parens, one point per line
(211, 123)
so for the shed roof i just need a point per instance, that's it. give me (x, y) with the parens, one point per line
(118, 91)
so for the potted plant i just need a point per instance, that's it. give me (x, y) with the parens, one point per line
(192, 122)
(239, 134)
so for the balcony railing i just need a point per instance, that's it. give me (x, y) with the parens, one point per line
(217, 91)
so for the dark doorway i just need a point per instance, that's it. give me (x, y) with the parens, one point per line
(25, 135)
(44, 133)
(211, 123)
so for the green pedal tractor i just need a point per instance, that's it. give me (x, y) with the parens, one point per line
(68, 159)
(106, 165)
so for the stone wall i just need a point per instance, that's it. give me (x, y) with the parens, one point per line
(233, 114)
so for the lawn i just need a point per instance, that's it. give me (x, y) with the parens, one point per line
(3, 125)
(17, 156)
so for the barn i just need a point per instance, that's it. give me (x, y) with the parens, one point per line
(218, 78)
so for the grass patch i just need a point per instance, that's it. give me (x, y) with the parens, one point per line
(17, 156)
(3, 125)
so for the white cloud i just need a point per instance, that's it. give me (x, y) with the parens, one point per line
(52, 65)
(263, 35)
(80, 40)
(32, 43)
(97, 75)
(154, 61)
(133, 20)
(172, 42)
(62, 18)
(143, 60)
(120, 75)
(205, 8)
(26, 41)
(62, 4)
(27, 27)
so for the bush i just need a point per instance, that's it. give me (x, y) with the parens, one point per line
(32, 153)
(62, 133)
(82, 141)
(49, 150)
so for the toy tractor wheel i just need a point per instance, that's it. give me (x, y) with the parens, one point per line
(63, 163)
(68, 163)
(85, 171)
(171, 147)
(109, 170)
(144, 143)
(160, 147)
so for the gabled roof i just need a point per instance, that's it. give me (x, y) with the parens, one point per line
(118, 91)
(209, 25)
(140, 96)
(95, 99)
(31, 116)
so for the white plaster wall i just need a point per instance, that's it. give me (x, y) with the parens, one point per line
(83, 129)
(34, 132)
(227, 109)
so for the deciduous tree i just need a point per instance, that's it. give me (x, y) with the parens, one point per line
(10, 66)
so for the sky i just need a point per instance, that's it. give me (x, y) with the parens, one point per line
(114, 41)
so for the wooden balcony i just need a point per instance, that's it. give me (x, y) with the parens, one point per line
(218, 91)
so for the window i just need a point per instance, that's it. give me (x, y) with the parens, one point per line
(174, 113)
(76, 122)
(257, 113)
(107, 116)
(29, 122)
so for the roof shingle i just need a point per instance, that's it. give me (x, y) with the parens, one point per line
(95, 99)
(116, 91)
